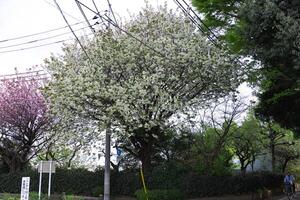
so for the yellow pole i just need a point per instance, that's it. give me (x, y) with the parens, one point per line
(144, 185)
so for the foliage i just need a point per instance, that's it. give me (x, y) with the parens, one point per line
(276, 137)
(23, 121)
(168, 177)
(159, 195)
(222, 19)
(212, 148)
(268, 31)
(136, 87)
(97, 191)
(76, 182)
(208, 161)
(286, 154)
(273, 35)
(248, 142)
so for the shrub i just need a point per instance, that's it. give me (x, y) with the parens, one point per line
(97, 191)
(86, 183)
(159, 195)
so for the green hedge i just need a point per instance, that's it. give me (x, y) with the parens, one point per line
(159, 195)
(78, 181)
(83, 182)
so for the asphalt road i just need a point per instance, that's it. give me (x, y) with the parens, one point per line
(296, 197)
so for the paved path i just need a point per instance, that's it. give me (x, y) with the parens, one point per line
(297, 197)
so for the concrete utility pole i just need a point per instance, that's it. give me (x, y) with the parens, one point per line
(107, 165)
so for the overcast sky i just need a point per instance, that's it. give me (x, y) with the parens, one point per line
(25, 17)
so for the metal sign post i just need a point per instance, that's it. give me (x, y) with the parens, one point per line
(46, 167)
(49, 183)
(25, 188)
(40, 181)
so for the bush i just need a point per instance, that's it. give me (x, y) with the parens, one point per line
(75, 182)
(86, 183)
(97, 191)
(159, 195)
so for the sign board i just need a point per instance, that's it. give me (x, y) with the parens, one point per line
(25, 188)
(46, 166)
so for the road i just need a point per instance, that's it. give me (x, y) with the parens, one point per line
(297, 197)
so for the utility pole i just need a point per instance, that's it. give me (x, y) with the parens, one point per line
(107, 164)
(108, 126)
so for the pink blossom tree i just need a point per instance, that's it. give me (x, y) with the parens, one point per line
(23, 121)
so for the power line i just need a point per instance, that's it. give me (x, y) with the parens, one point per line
(197, 16)
(95, 17)
(41, 39)
(32, 47)
(63, 11)
(110, 21)
(39, 33)
(186, 12)
(37, 46)
(23, 73)
(112, 12)
(215, 41)
(58, 7)
(84, 16)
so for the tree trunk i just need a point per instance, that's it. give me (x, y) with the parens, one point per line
(285, 165)
(146, 163)
(243, 167)
(273, 156)
(15, 165)
(252, 163)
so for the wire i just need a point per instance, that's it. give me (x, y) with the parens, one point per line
(197, 16)
(37, 46)
(112, 12)
(86, 19)
(98, 12)
(39, 33)
(129, 34)
(58, 7)
(47, 44)
(23, 73)
(185, 11)
(63, 11)
(41, 39)
(218, 43)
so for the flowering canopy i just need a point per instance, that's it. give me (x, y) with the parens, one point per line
(138, 85)
(22, 119)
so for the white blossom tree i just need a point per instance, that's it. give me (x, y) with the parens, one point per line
(138, 86)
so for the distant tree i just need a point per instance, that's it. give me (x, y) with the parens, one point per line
(218, 126)
(269, 32)
(276, 137)
(248, 142)
(139, 87)
(23, 121)
(220, 118)
(209, 158)
(286, 154)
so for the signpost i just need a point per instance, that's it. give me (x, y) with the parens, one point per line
(25, 188)
(46, 167)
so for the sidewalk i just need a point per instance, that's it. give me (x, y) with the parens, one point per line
(297, 197)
